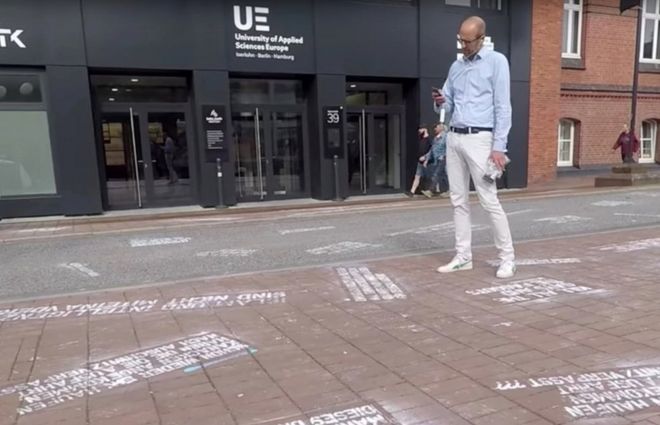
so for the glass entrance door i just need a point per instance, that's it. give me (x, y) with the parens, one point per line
(374, 151)
(269, 154)
(122, 148)
(146, 156)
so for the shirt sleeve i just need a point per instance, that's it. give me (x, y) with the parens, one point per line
(437, 151)
(502, 103)
(448, 93)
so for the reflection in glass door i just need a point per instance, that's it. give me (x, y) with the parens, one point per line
(250, 160)
(356, 138)
(125, 181)
(146, 156)
(269, 155)
(385, 154)
(287, 153)
(374, 151)
(169, 174)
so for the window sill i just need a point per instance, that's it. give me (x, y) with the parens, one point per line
(572, 63)
(651, 68)
(30, 196)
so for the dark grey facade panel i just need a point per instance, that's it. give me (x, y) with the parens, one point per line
(366, 38)
(42, 32)
(72, 135)
(521, 41)
(519, 135)
(163, 34)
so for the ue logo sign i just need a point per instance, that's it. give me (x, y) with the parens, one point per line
(13, 37)
(256, 17)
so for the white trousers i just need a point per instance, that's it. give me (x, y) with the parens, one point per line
(467, 155)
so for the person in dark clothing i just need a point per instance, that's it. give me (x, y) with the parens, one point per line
(424, 146)
(629, 145)
(425, 140)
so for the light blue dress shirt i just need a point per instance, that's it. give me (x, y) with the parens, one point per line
(478, 94)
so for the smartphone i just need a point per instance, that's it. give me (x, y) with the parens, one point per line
(435, 89)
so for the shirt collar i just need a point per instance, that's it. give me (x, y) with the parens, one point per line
(479, 55)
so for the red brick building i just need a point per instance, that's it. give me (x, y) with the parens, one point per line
(581, 83)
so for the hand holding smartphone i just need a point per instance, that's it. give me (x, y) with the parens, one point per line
(437, 96)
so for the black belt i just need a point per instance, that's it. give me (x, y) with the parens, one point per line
(469, 130)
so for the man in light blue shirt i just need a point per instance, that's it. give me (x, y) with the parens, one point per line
(477, 95)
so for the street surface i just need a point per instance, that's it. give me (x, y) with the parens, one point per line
(336, 316)
(46, 261)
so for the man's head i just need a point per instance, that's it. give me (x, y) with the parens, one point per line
(625, 128)
(438, 128)
(471, 35)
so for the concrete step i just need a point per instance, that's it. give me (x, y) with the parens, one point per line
(627, 179)
(629, 169)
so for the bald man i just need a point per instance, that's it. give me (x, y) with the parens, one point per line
(477, 95)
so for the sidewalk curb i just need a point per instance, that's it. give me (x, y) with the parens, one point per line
(504, 194)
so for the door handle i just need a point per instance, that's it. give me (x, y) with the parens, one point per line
(135, 159)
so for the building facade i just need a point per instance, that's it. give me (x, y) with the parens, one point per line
(583, 54)
(116, 104)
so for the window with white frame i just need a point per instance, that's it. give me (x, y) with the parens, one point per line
(650, 48)
(565, 143)
(648, 133)
(571, 29)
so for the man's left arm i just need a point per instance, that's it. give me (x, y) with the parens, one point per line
(502, 106)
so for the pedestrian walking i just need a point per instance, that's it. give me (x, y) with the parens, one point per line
(629, 145)
(421, 171)
(477, 96)
(436, 162)
(169, 147)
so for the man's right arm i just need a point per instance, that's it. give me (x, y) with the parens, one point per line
(448, 96)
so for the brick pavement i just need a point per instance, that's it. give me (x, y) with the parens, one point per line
(575, 336)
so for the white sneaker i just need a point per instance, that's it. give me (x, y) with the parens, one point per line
(506, 270)
(456, 265)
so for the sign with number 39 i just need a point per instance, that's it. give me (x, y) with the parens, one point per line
(332, 116)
